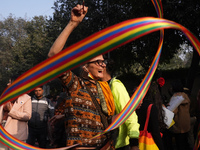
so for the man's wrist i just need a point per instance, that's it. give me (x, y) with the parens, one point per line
(74, 23)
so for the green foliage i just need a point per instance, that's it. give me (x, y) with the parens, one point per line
(23, 45)
(11, 31)
(104, 13)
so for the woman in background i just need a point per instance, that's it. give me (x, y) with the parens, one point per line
(156, 119)
(14, 116)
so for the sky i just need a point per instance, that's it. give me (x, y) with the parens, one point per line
(26, 9)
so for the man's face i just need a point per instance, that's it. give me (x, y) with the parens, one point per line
(96, 67)
(38, 92)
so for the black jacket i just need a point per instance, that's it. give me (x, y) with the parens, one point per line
(42, 110)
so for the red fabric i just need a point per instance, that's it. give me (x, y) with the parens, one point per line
(146, 141)
(161, 81)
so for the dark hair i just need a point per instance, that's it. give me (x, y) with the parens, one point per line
(110, 67)
(177, 86)
(153, 96)
(78, 70)
(50, 96)
(39, 87)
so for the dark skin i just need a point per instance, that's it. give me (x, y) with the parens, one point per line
(39, 92)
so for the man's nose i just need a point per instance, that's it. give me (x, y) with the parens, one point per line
(103, 65)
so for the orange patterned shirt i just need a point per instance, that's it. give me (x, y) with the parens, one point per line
(82, 120)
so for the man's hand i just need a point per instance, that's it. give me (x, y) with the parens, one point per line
(56, 118)
(9, 105)
(77, 13)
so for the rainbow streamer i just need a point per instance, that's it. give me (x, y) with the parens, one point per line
(98, 43)
(141, 91)
(197, 141)
(11, 142)
(101, 42)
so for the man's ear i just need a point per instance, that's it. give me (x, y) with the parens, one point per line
(85, 69)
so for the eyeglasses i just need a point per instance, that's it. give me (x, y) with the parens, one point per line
(99, 62)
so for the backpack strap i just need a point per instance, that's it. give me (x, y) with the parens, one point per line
(97, 105)
(148, 115)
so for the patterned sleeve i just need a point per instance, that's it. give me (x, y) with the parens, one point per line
(67, 79)
(70, 82)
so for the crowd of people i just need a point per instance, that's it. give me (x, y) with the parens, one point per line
(91, 99)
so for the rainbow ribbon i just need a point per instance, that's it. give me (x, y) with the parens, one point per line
(98, 43)
(197, 141)
(101, 42)
(142, 89)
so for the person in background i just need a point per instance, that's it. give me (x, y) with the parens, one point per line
(58, 128)
(180, 105)
(14, 116)
(156, 119)
(197, 127)
(129, 131)
(83, 119)
(193, 120)
(52, 99)
(198, 106)
(42, 110)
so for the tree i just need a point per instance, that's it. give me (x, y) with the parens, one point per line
(103, 13)
(106, 13)
(11, 31)
(186, 13)
(23, 45)
(28, 42)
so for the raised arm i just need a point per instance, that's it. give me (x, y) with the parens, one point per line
(77, 15)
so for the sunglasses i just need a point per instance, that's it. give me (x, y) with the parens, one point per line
(99, 62)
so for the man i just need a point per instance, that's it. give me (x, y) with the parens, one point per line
(129, 131)
(14, 116)
(42, 110)
(83, 119)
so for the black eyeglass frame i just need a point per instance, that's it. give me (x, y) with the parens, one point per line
(99, 62)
